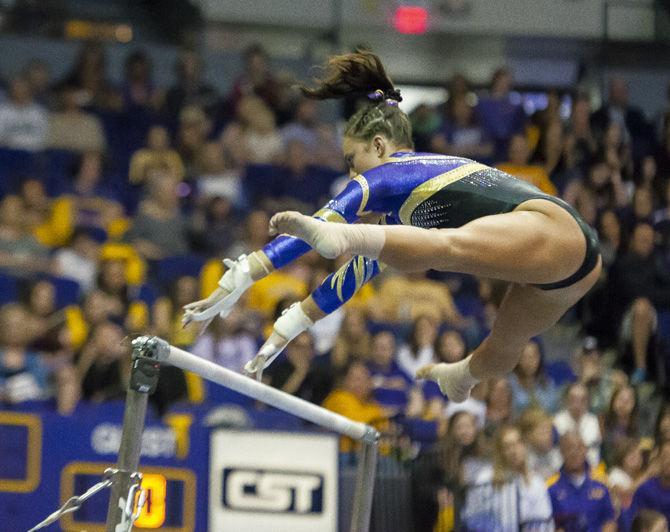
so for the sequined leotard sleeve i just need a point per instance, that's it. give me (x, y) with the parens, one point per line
(346, 207)
(339, 287)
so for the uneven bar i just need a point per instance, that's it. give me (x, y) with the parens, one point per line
(165, 352)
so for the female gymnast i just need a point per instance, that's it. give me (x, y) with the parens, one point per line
(432, 212)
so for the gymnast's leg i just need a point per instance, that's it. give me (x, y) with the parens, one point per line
(525, 311)
(537, 243)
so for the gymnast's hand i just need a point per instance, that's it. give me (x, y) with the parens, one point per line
(274, 345)
(232, 285)
(290, 324)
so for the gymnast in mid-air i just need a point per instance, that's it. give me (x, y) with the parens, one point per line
(422, 211)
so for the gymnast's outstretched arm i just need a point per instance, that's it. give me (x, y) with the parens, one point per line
(334, 291)
(346, 207)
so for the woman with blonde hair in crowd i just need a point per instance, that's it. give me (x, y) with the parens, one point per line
(529, 382)
(508, 481)
(620, 421)
(628, 471)
(450, 346)
(253, 137)
(544, 457)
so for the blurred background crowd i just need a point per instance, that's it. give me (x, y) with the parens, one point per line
(119, 200)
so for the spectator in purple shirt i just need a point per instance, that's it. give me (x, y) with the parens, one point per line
(391, 384)
(500, 116)
(654, 494)
(580, 502)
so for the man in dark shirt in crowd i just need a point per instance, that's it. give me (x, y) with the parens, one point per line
(190, 88)
(299, 374)
(639, 283)
(618, 109)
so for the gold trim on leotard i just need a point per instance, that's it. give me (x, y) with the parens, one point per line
(365, 187)
(430, 187)
(330, 215)
(361, 275)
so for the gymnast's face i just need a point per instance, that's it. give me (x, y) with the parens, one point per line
(362, 156)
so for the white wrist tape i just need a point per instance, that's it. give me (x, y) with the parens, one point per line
(292, 322)
(237, 276)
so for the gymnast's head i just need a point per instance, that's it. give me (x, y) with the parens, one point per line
(379, 128)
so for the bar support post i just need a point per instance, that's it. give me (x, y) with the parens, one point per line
(365, 483)
(143, 380)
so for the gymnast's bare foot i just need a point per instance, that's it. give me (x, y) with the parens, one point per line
(449, 378)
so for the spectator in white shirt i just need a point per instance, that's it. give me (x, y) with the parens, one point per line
(78, 261)
(544, 457)
(576, 417)
(420, 350)
(71, 128)
(509, 479)
(23, 122)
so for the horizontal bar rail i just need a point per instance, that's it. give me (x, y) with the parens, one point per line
(164, 352)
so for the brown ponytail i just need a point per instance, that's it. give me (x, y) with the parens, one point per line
(362, 74)
(358, 73)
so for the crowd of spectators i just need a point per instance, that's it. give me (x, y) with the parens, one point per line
(118, 202)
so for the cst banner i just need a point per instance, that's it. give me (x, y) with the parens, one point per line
(279, 481)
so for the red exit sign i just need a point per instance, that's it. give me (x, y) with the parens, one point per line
(412, 20)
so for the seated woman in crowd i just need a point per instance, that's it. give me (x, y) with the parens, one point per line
(508, 495)
(122, 304)
(544, 457)
(230, 343)
(530, 385)
(298, 375)
(156, 154)
(391, 384)
(159, 229)
(24, 375)
(93, 203)
(420, 348)
(450, 346)
(253, 137)
(620, 421)
(20, 252)
(103, 365)
(438, 472)
(352, 397)
(627, 472)
(51, 221)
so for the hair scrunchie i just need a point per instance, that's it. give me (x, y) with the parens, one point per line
(392, 97)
